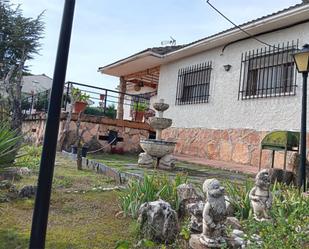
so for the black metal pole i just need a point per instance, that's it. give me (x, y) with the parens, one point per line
(41, 208)
(303, 133)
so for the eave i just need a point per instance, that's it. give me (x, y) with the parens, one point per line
(148, 59)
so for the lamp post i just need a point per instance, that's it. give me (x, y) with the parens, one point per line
(301, 59)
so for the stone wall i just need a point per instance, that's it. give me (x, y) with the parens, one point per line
(94, 129)
(231, 145)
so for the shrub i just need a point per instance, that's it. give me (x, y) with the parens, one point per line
(111, 112)
(9, 145)
(239, 198)
(151, 188)
(98, 111)
(29, 157)
(139, 106)
(289, 228)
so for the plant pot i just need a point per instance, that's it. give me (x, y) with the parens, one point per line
(80, 106)
(74, 149)
(138, 116)
(117, 150)
(84, 151)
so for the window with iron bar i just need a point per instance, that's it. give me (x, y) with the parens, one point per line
(268, 72)
(193, 84)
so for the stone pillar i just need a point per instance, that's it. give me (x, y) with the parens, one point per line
(122, 89)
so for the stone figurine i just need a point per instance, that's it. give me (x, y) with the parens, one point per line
(261, 197)
(158, 222)
(167, 162)
(145, 160)
(214, 215)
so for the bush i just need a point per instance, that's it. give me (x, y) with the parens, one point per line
(30, 157)
(289, 213)
(239, 198)
(151, 188)
(289, 228)
(41, 101)
(9, 145)
(98, 111)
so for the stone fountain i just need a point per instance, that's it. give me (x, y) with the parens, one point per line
(158, 152)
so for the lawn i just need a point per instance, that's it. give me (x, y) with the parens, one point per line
(81, 215)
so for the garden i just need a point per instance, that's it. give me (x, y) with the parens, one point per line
(90, 210)
(166, 204)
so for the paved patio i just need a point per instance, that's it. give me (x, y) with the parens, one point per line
(234, 167)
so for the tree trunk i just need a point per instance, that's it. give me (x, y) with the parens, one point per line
(13, 89)
(64, 133)
(78, 142)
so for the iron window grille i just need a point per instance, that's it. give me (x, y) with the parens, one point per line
(268, 72)
(193, 84)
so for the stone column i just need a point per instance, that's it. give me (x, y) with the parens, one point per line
(122, 89)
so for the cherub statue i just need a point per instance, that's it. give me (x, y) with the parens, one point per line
(214, 215)
(261, 197)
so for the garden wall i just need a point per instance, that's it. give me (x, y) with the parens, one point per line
(95, 129)
(231, 145)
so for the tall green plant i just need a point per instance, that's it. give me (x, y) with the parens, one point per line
(151, 188)
(239, 198)
(9, 145)
(29, 157)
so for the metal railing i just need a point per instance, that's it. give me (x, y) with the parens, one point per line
(100, 102)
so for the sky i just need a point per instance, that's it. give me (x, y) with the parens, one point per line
(105, 31)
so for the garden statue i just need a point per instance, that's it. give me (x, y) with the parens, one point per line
(214, 215)
(158, 222)
(261, 197)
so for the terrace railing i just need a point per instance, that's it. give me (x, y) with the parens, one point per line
(102, 102)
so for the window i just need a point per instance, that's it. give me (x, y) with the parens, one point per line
(193, 84)
(268, 72)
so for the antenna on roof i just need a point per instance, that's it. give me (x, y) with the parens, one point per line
(171, 42)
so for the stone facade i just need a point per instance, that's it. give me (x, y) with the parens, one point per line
(232, 145)
(94, 129)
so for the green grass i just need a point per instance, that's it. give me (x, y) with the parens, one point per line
(76, 219)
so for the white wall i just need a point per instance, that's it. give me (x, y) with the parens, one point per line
(224, 110)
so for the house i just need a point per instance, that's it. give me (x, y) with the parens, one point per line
(36, 83)
(227, 90)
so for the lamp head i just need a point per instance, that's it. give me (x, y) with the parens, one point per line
(301, 59)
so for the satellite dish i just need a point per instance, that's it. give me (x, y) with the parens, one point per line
(171, 42)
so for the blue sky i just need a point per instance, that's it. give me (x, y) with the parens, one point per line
(107, 30)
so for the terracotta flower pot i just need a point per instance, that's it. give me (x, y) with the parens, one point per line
(79, 106)
(138, 116)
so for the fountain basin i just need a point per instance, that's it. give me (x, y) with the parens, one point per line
(160, 123)
(157, 148)
(161, 107)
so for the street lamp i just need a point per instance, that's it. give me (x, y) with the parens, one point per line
(301, 59)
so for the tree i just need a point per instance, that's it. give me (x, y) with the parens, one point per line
(20, 41)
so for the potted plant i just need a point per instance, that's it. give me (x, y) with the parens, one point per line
(139, 111)
(85, 150)
(74, 149)
(79, 99)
